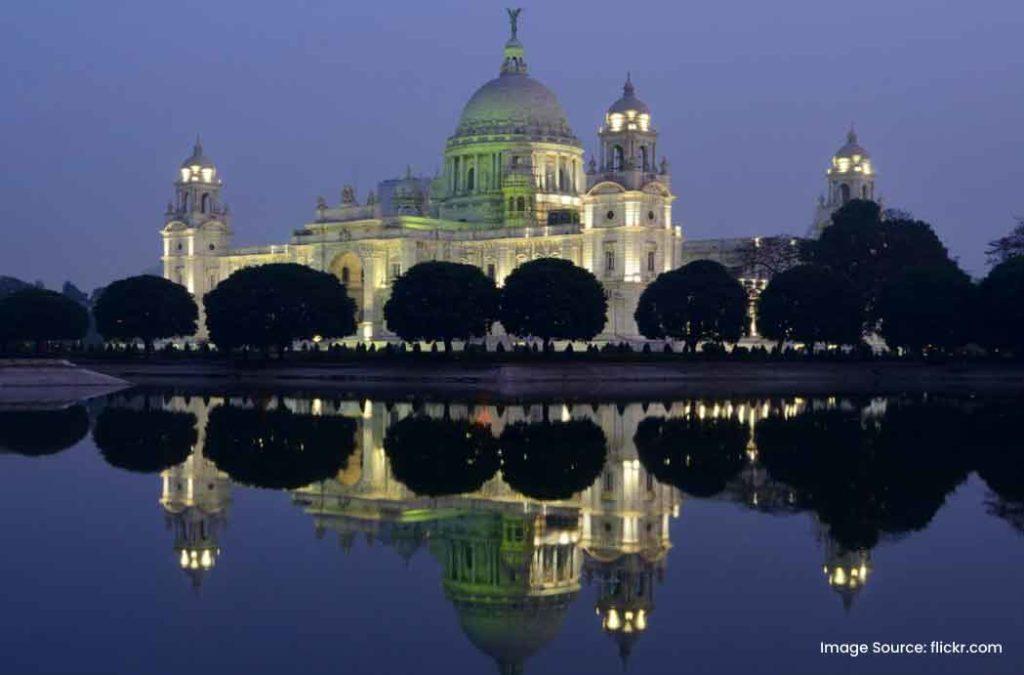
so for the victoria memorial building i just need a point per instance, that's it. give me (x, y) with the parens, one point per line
(515, 186)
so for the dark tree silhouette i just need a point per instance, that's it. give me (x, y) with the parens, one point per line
(272, 306)
(40, 316)
(438, 457)
(35, 433)
(278, 449)
(698, 456)
(553, 299)
(1008, 247)
(146, 308)
(144, 440)
(552, 460)
(927, 307)
(1001, 310)
(810, 304)
(699, 302)
(441, 301)
(869, 250)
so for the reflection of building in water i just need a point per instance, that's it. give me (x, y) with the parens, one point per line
(195, 498)
(625, 518)
(513, 565)
(845, 569)
(510, 578)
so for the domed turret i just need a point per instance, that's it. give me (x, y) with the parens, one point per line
(628, 104)
(628, 141)
(850, 176)
(197, 166)
(852, 149)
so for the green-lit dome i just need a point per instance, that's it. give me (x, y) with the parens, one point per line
(515, 104)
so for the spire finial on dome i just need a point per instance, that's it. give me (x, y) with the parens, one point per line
(628, 89)
(851, 135)
(515, 56)
(513, 21)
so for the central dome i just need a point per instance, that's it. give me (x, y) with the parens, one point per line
(515, 104)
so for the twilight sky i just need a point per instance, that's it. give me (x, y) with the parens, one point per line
(102, 100)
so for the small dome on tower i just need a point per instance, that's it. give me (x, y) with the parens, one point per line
(852, 148)
(629, 101)
(198, 157)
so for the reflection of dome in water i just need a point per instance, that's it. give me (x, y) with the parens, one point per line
(511, 632)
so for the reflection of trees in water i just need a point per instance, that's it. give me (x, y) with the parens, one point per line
(697, 455)
(868, 475)
(276, 448)
(35, 433)
(436, 457)
(144, 440)
(552, 460)
(1000, 460)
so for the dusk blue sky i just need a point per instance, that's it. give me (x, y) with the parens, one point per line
(102, 101)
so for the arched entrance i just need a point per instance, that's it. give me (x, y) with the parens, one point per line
(349, 269)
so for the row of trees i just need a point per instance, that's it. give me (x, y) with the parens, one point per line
(866, 273)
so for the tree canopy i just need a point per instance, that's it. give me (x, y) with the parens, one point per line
(271, 306)
(38, 315)
(443, 301)
(810, 304)
(698, 302)
(35, 433)
(438, 457)
(553, 299)
(1001, 307)
(276, 448)
(927, 307)
(1010, 246)
(552, 460)
(144, 440)
(869, 250)
(699, 456)
(146, 308)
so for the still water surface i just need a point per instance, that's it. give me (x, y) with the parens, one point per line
(160, 533)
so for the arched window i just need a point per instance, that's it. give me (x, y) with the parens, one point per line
(511, 204)
(345, 275)
(204, 204)
(520, 203)
(863, 191)
(184, 201)
(470, 179)
(618, 158)
(844, 192)
(643, 157)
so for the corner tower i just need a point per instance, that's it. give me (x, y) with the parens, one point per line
(850, 176)
(629, 238)
(196, 232)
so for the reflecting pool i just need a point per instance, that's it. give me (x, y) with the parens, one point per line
(160, 532)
